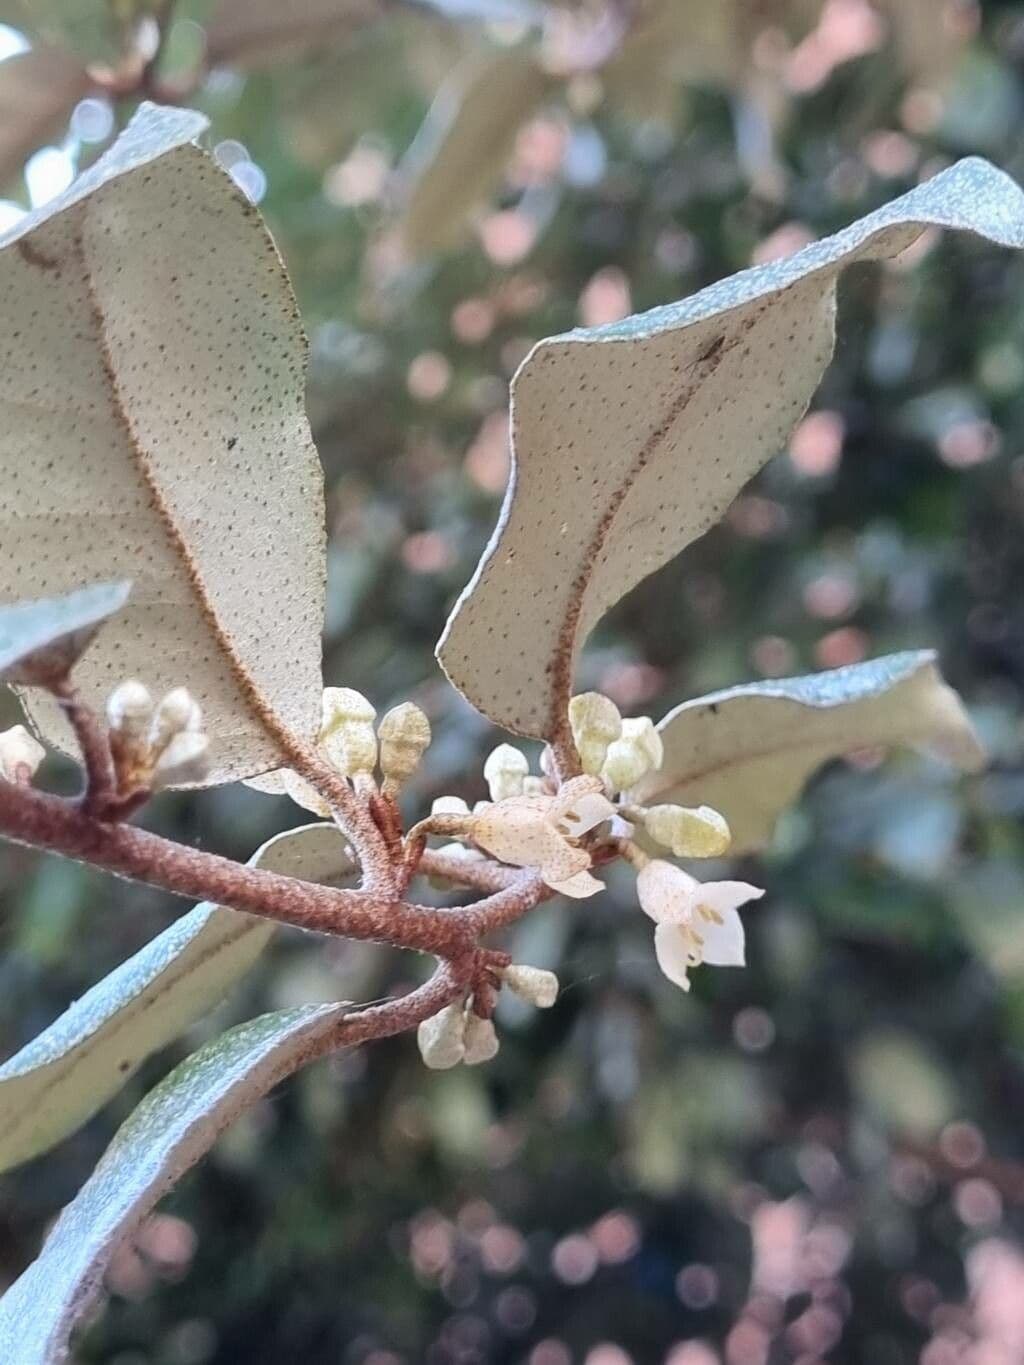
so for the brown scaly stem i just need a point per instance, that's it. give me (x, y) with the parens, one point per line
(97, 760)
(483, 875)
(49, 822)
(351, 815)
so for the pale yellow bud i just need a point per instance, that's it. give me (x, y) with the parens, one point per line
(641, 731)
(504, 772)
(633, 755)
(404, 735)
(449, 805)
(347, 738)
(130, 710)
(441, 1038)
(20, 755)
(689, 833)
(185, 759)
(532, 984)
(595, 723)
(533, 786)
(481, 1041)
(177, 713)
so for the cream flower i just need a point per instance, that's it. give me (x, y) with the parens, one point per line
(696, 921)
(539, 831)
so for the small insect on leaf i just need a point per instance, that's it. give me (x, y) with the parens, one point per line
(40, 641)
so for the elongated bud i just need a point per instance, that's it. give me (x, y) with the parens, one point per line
(595, 723)
(130, 711)
(20, 755)
(689, 833)
(504, 772)
(481, 1041)
(532, 984)
(347, 738)
(633, 755)
(177, 713)
(404, 735)
(441, 1038)
(186, 759)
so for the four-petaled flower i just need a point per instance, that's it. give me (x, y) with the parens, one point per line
(696, 921)
(540, 831)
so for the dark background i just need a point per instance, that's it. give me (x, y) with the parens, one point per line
(818, 1158)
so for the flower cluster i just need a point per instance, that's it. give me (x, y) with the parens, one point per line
(355, 749)
(459, 1034)
(153, 744)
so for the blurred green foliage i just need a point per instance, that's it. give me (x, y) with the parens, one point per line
(818, 1157)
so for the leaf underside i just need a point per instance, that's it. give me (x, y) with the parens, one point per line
(748, 751)
(169, 1131)
(630, 440)
(459, 156)
(175, 450)
(74, 1067)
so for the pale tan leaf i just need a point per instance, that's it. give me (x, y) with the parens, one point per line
(38, 91)
(748, 751)
(460, 154)
(74, 1067)
(152, 374)
(175, 1125)
(630, 440)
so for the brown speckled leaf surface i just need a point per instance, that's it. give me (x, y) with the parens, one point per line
(631, 440)
(152, 374)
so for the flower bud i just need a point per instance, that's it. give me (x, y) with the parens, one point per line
(449, 805)
(441, 1038)
(532, 984)
(481, 1041)
(504, 771)
(534, 786)
(177, 713)
(130, 711)
(633, 755)
(20, 755)
(346, 736)
(404, 735)
(689, 833)
(186, 759)
(595, 723)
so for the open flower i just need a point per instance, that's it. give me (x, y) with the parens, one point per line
(696, 921)
(540, 831)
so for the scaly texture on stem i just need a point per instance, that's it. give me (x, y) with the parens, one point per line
(351, 814)
(49, 822)
(485, 875)
(43, 821)
(94, 744)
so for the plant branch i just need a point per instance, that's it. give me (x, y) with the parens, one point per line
(49, 822)
(352, 816)
(94, 744)
(483, 875)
